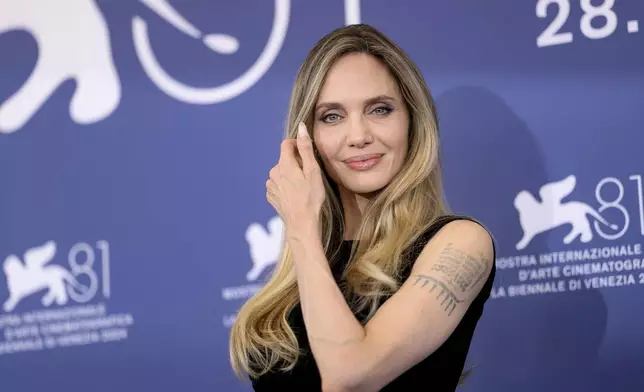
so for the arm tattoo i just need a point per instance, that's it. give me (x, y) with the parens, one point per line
(456, 273)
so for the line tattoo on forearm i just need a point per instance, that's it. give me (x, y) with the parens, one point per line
(454, 274)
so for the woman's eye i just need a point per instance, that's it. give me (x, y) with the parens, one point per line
(330, 117)
(382, 110)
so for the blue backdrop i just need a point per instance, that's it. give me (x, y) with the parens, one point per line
(136, 137)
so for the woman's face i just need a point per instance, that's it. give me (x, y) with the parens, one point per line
(361, 124)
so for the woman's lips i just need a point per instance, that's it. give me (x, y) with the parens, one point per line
(363, 162)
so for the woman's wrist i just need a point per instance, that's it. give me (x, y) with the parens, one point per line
(304, 231)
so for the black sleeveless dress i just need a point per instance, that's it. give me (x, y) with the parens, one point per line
(439, 372)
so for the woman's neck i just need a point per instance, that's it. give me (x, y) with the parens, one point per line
(354, 206)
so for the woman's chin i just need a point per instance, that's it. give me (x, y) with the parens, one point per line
(365, 186)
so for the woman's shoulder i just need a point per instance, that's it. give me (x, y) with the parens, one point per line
(449, 225)
(457, 225)
(447, 219)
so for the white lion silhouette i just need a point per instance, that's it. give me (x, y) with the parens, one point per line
(26, 279)
(264, 246)
(536, 218)
(74, 43)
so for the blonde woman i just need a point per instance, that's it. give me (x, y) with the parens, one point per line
(378, 287)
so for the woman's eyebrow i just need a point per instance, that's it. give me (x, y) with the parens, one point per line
(337, 105)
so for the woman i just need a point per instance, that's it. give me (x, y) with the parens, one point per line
(378, 287)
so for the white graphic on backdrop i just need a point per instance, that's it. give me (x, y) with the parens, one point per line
(218, 43)
(265, 246)
(74, 43)
(351, 12)
(62, 323)
(33, 276)
(609, 254)
(538, 217)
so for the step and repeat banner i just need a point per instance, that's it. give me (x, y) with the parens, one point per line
(136, 137)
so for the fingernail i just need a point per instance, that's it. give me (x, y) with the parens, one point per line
(301, 131)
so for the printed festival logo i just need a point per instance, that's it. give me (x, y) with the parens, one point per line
(538, 217)
(59, 304)
(74, 43)
(265, 246)
(585, 261)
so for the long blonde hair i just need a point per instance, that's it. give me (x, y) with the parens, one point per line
(261, 339)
